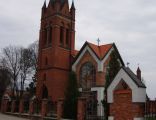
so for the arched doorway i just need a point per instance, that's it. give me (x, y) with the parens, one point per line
(44, 92)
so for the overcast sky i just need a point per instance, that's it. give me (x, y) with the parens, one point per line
(131, 24)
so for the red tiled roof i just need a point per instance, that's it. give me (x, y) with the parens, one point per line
(101, 50)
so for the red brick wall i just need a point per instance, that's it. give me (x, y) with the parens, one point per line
(58, 57)
(100, 76)
(123, 108)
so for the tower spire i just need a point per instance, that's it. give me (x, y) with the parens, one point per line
(139, 73)
(73, 6)
(44, 5)
(72, 10)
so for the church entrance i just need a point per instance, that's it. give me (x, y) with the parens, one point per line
(91, 105)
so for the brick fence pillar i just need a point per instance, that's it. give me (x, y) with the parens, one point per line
(4, 105)
(13, 106)
(44, 107)
(81, 108)
(60, 108)
(31, 107)
(21, 106)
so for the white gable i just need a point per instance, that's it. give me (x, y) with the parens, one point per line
(138, 94)
(82, 54)
(99, 62)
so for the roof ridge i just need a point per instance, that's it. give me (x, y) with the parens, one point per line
(99, 45)
(133, 76)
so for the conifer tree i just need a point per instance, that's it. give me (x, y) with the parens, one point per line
(112, 70)
(71, 96)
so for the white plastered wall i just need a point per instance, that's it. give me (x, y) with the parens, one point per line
(138, 94)
(100, 97)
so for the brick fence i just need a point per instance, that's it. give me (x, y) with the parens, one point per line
(150, 109)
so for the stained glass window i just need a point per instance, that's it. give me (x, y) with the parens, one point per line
(87, 76)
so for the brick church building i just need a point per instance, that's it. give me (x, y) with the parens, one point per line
(126, 94)
(58, 57)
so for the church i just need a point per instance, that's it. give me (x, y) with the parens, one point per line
(58, 57)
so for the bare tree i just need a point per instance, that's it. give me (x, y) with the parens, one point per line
(5, 80)
(25, 66)
(34, 49)
(34, 58)
(11, 60)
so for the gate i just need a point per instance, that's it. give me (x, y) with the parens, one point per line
(150, 110)
(91, 106)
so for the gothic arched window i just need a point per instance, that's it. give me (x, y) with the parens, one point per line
(44, 92)
(87, 76)
(67, 37)
(61, 35)
(44, 77)
(46, 61)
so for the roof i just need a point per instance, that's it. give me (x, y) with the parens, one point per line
(137, 81)
(100, 51)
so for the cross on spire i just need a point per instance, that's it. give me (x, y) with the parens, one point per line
(98, 41)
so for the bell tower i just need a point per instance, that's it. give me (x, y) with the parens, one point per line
(56, 43)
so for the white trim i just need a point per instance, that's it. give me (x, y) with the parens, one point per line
(100, 63)
(105, 58)
(139, 118)
(82, 54)
(100, 97)
(138, 94)
(110, 118)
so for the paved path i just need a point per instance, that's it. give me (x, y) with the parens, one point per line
(8, 117)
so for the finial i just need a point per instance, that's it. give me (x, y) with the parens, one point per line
(138, 68)
(128, 64)
(98, 41)
(138, 73)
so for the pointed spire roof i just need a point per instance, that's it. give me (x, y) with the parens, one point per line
(51, 2)
(138, 70)
(72, 6)
(139, 73)
(44, 5)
